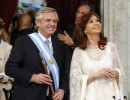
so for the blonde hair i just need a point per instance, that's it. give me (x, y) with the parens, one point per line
(4, 35)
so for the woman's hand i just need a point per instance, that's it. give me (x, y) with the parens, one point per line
(106, 72)
(115, 75)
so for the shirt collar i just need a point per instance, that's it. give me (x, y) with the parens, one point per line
(43, 38)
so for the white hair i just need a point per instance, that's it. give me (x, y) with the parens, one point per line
(39, 13)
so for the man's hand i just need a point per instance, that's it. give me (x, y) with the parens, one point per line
(58, 95)
(41, 79)
(66, 38)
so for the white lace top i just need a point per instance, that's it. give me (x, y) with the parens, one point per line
(85, 62)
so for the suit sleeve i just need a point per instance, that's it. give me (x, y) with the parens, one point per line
(64, 77)
(14, 66)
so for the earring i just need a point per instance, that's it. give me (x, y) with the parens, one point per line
(85, 32)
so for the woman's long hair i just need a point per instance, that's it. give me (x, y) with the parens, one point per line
(80, 38)
(4, 35)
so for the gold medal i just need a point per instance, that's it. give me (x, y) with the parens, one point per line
(51, 61)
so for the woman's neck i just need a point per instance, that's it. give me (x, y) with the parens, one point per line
(93, 40)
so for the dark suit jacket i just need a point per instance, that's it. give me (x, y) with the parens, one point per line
(24, 61)
(15, 34)
(69, 49)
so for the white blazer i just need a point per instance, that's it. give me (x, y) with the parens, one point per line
(5, 49)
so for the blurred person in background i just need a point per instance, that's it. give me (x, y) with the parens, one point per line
(24, 27)
(84, 8)
(5, 49)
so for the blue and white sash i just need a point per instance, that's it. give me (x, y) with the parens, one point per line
(47, 54)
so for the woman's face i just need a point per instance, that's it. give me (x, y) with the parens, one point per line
(93, 26)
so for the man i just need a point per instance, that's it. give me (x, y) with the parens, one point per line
(84, 8)
(24, 27)
(25, 64)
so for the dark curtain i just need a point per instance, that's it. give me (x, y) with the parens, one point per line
(67, 8)
(7, 9)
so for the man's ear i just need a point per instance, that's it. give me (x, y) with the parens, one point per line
(37, 22)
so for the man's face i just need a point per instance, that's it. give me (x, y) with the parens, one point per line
(80, 12)
(48, 24)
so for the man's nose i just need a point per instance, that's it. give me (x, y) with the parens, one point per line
(79, 15)
(53, 22)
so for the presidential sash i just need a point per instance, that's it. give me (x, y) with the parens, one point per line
(48, 56)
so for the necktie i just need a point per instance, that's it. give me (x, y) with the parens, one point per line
(47, 43)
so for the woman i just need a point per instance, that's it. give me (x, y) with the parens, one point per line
(96, 72)
(4, 53)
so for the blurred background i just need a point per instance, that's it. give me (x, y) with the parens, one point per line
(66, 8)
